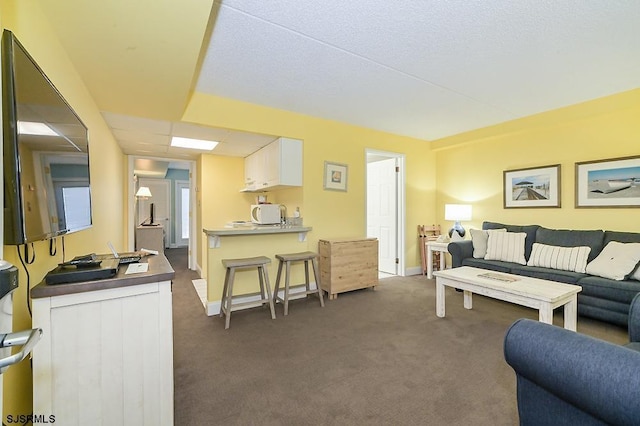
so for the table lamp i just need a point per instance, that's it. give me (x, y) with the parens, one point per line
(457, 213)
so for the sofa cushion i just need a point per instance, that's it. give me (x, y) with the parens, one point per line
(616, 261)
(493, 265)
(605, 314)
(530, 230)
(604, 288)
(506, 246)
(563, 258)
(479, 238)
(572, 238)
(622, 237)
(558, 275)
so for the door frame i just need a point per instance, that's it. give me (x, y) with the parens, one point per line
(131, 225)
(400, 202)
(177, 237)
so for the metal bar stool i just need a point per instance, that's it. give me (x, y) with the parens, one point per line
(226, 305)
(287, 259)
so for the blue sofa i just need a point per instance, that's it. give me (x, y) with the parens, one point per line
(601, 298)
(567, 378)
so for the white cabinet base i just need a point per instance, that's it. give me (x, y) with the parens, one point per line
(106, 356)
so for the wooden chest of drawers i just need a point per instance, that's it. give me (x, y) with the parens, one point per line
(348, 264)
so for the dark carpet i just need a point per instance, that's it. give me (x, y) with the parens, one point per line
(370, 357)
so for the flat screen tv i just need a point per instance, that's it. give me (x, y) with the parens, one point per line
(47, 190)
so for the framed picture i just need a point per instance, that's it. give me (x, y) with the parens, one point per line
(614, 182)
(533, 187)
(335, 176)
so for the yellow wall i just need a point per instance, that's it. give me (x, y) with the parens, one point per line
(331, 214)
(470, 166)
(25, 19)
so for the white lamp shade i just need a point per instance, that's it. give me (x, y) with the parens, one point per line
(143, 192)
(457, 212)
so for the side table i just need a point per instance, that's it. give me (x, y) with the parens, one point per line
(431, 247)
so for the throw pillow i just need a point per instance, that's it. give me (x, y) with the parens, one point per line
(616, 261)
(479, 239)
(636, 274)
(563, 258)
(506, 246)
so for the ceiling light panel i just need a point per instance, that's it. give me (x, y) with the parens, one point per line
(189, 143)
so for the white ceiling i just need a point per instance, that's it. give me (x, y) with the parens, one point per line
(426, 69)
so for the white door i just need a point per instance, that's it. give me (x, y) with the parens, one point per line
(182, 213)
(382, 211)
(161, 199)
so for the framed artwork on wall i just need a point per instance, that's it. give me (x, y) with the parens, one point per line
(335, 176)
(614, 182)
(535, 187)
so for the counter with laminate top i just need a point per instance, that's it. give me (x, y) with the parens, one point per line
(159, 270)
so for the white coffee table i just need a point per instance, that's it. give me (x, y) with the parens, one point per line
(534, 293)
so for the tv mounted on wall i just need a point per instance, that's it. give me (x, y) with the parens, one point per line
(47, 191)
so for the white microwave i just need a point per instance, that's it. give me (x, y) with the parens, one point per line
(265, 214)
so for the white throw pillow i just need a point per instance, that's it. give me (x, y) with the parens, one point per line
(506, 246)
(636, 274)
(563, 258)
(479, 239)
(616, 261)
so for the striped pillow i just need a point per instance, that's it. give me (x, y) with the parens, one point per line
(506, 246)
(562, 258)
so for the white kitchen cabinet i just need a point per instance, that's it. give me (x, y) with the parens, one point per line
(278, 164)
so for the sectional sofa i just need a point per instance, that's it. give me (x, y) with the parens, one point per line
(604, 263)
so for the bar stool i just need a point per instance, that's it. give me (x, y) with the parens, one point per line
(287, 259)
(226, 305)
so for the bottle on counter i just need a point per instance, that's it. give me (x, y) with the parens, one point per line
(297, 220)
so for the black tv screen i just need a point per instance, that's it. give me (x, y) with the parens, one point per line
(47, 189)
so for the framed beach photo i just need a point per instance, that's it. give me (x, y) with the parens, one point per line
(335, 176)
(534, 187)
(614, 182)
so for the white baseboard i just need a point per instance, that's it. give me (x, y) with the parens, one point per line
(213, 308)
(416, 270)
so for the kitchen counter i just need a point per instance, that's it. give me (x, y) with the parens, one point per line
(249, 241)
(215, 234)
(256, 229)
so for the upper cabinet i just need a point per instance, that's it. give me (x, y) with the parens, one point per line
(278, 164)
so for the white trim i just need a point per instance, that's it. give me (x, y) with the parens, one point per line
(213, 308)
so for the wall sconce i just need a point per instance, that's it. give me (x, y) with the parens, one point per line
(457, 213)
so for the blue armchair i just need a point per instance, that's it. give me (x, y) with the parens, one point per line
(569, 378)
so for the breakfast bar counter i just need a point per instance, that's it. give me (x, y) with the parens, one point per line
(249, 241)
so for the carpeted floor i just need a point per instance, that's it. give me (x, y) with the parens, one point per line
(374, 357)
